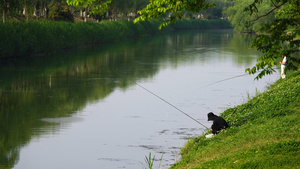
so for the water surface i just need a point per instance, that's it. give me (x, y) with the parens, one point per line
(91, 107)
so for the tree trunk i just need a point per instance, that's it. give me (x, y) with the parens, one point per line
(107, 15)
(85, 15)
(26, 12)
(45, 12)
(41, 11)
(35, 11)
(3, 14)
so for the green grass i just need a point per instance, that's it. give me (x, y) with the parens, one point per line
(22, 39)
(19, 39)
(264, 133)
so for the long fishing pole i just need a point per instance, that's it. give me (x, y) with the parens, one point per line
(169, 104)
(225, 80)
(177, 107)
(245, 74)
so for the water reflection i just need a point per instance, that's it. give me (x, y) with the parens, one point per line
(40, 96)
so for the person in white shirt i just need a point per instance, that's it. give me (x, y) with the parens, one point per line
(283, 65)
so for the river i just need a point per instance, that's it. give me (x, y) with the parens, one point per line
(109, 106)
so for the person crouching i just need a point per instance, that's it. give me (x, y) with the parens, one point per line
(218, 123)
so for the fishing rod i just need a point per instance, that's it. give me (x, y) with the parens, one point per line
(230, 78)
(177, 107)
(225, 80)
(167, 102)
(171, 105)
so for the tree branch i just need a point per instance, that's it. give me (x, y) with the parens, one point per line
(274, 4)
(275, 7)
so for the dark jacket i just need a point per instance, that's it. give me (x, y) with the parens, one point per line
(218, 124)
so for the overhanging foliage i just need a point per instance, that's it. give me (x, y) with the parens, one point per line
(173, 8)
(281, 36)
(96, 6)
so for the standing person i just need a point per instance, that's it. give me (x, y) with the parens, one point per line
(218, 123)
(283, 65)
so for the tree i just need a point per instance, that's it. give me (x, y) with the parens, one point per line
(59, 11)
(8, 6)
(94, 6)
(175, 8)
(243, 21)
(281, 36)
(217, 11)
(27, 8)
(130, 6)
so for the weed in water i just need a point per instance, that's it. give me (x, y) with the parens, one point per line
(150, 160)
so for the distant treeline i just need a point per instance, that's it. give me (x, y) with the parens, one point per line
(82, 10)
(19, 39)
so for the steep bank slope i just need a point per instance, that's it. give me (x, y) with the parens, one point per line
(264, 133)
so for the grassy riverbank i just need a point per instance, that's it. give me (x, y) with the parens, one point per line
(19, 39)
(264, 133)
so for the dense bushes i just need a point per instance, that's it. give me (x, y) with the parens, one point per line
(19, 39)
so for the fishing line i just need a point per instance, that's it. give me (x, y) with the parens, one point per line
(177, 107)
(225, 80)
(219, 82)
(171, 105)
(229, 79)
(167, 103)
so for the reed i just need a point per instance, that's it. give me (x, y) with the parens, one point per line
(150, 160)
(19, 39)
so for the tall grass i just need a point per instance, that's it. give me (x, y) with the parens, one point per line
(26, 38)
(18, 39)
